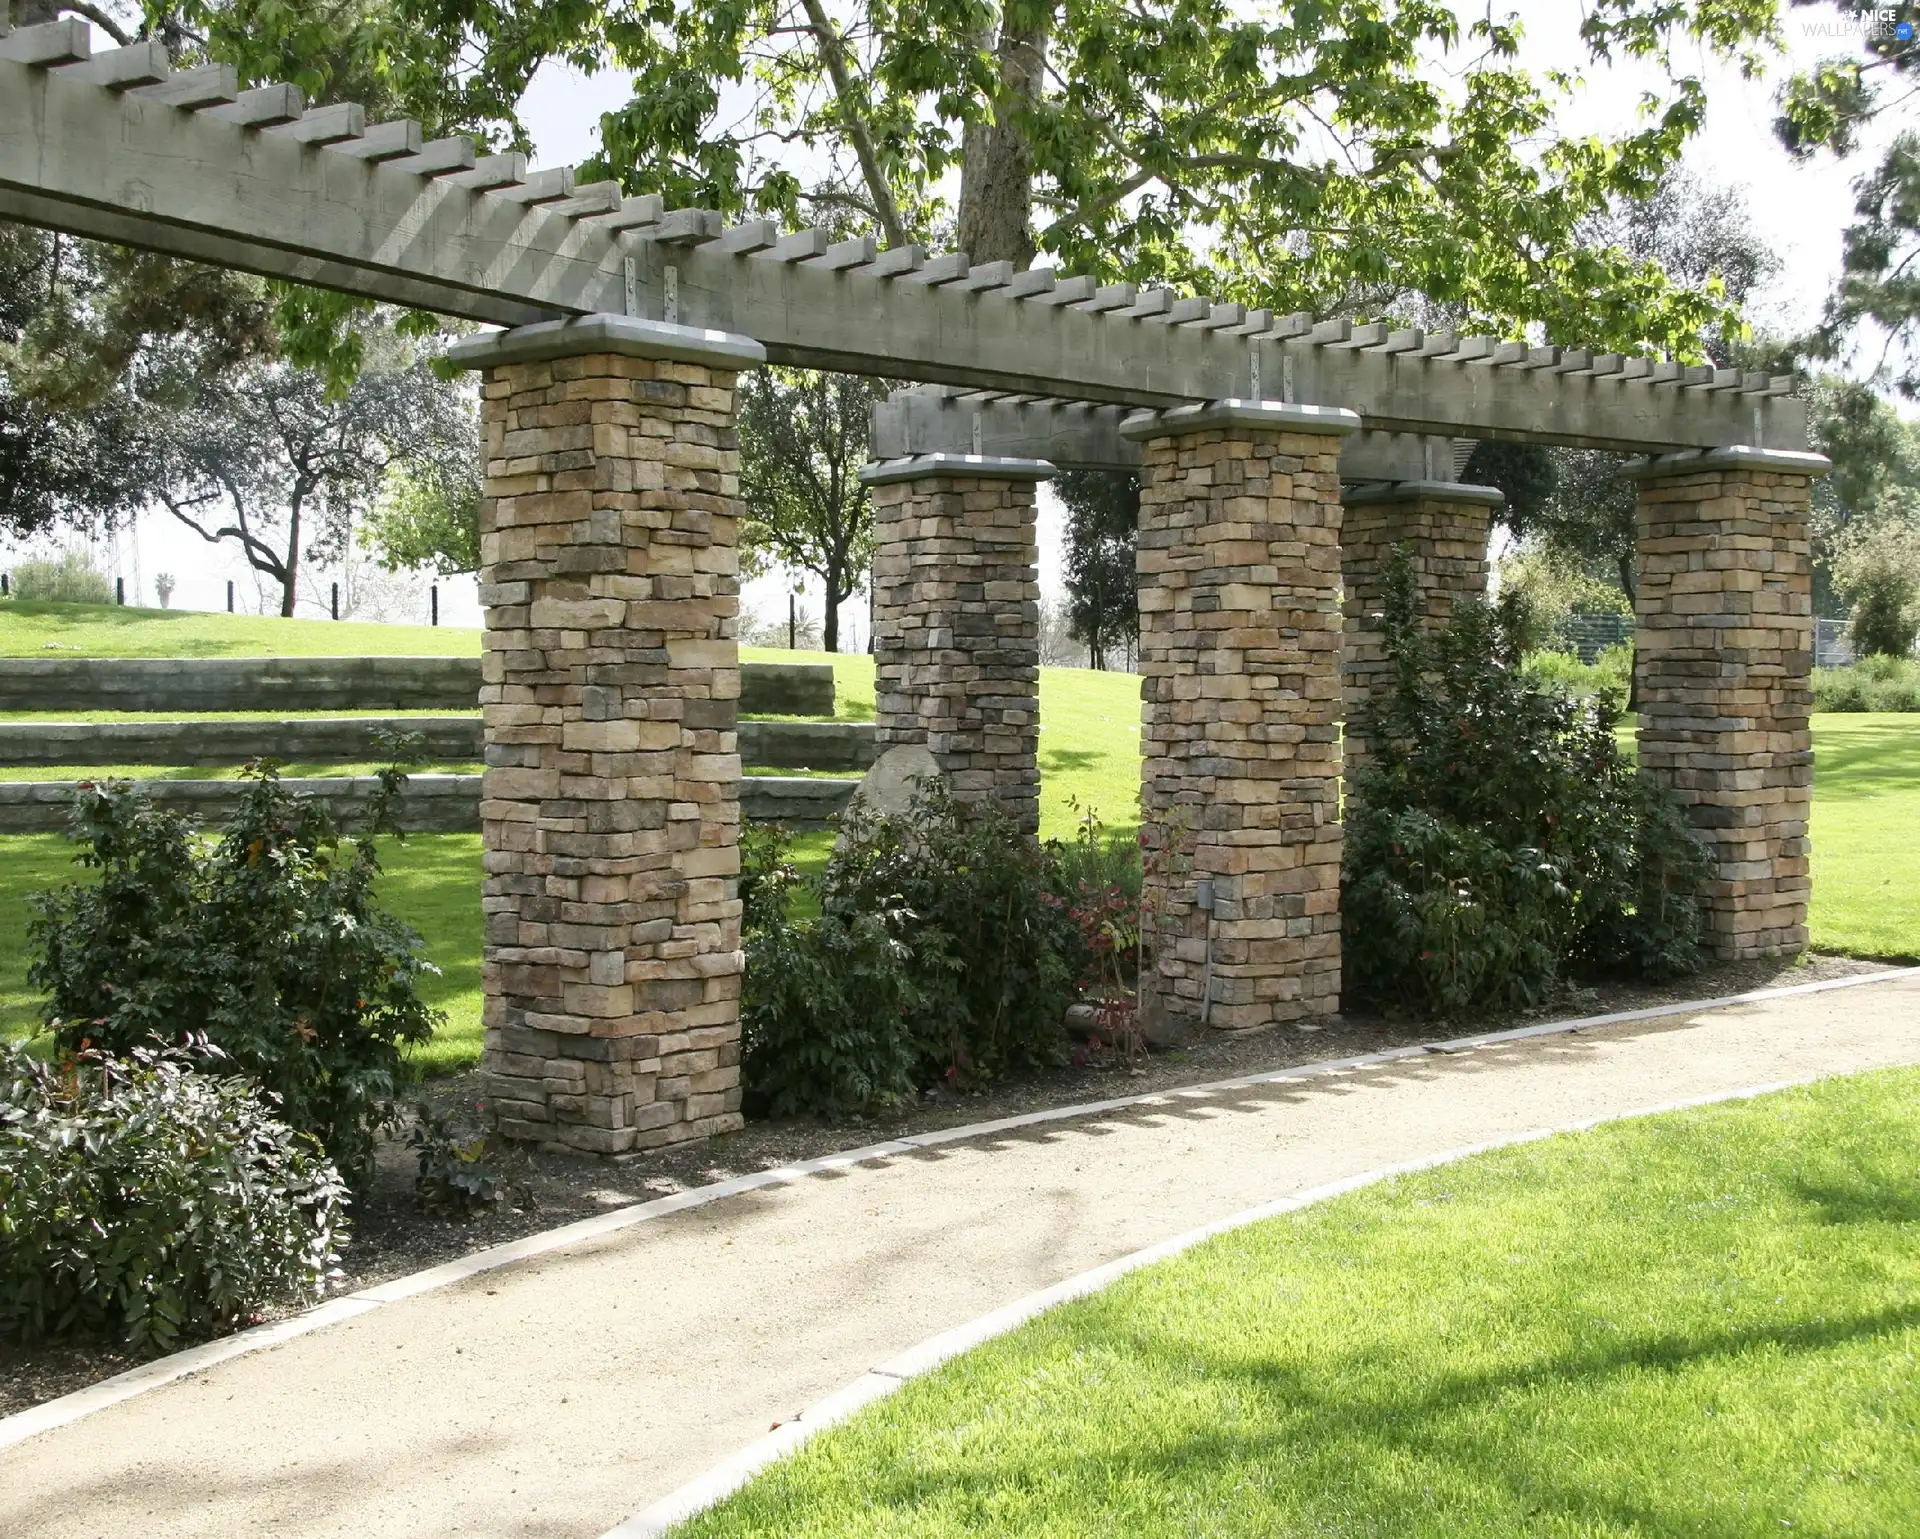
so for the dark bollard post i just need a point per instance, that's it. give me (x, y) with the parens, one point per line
(4, 586)
(433, 598)
(333, 604)
(792, 624)
(229, 595)
(119, 590)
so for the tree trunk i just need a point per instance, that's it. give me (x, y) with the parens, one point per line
(31, 13)
(996, 175)
(830, 621)
(1629, 581)
(291, 569)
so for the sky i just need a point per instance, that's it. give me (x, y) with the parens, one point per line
(1800, 210)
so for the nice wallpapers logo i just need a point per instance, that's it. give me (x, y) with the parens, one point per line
(1869, 23)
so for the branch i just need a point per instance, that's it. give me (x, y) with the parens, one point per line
(100, 19)
(834, 56)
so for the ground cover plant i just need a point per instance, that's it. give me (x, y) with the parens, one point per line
(269, 940)
(153, 1199)
(1498, 841)
(1702, 1323)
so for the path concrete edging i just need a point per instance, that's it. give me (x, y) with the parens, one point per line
(59, 1412)
(733, 1472)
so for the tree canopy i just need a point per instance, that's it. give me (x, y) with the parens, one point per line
(1334, 155)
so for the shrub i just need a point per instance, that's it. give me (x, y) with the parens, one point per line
(972, 895)
(1611, 670)
(145, 1201)
(268, 941)
(1875, 683)
(67, 579)
(1499, 840)
(940, 950)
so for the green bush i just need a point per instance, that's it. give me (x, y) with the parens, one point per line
(1875, 683)
(68, 579)
(829, 1014)
(939, 951)
(267, 940)
(146, 1201)
(1876, 565)
(1611, 670)
(1498, 841)
(974, 899)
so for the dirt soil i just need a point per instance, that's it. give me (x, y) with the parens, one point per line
(393, 1236)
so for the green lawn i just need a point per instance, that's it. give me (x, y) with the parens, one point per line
(1703, 1324)
(1866, 835)
(96, 630)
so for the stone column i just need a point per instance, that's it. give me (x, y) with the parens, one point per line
(1239, 563)
(1724, 649)
(956, 621)
(1444, 525)
(609, 687)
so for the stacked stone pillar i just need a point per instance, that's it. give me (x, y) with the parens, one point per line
(1444, 526)
(1240, 629)
(956, 621)
(1724, 649)
(610, 683)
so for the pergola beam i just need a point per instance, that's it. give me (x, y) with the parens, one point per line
(312, 204)
(1077, 435)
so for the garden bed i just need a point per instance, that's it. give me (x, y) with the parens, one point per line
(394, 1237)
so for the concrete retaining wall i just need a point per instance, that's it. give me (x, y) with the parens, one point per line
(440, 804)
(325, 684)
(304, 738)
(821, 745)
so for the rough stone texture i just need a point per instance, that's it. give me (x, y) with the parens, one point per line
(325, 684)
(1725, 653)
(818, 745)
(433, 804)
(956, 632)
(301, 739)
(611, 810)
(1447, 538)
(239, 683)
(1239, 562)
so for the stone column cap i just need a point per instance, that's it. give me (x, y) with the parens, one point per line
(626, 335)
(1733, 457)
(1270, 416)
(985, 467)
(1412, 491)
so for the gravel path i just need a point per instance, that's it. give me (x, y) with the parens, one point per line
(557, 1396)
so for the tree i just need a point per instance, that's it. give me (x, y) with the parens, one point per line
(1281, 158)
(1877, 566)
(292, 466)
(1103, 516)
(427, 514)
(1831, 107)
(803, 440)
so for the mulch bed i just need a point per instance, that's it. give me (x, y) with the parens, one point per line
(392, 1236)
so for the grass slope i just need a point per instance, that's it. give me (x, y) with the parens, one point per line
(1703, 1324)
(95, 630)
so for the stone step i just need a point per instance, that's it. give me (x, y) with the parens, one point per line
(825, 745)
(326, 684)
(440, 804)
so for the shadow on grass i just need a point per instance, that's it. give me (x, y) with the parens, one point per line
(1361, 1445)
(1867, 759)
(1064, 759)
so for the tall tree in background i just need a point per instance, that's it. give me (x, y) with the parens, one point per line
(1290, 156)
(1103, 588)
(803, 440)
(1831, 108)
(277, 463)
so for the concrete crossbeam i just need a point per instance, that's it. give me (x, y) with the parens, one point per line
(130, 167)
